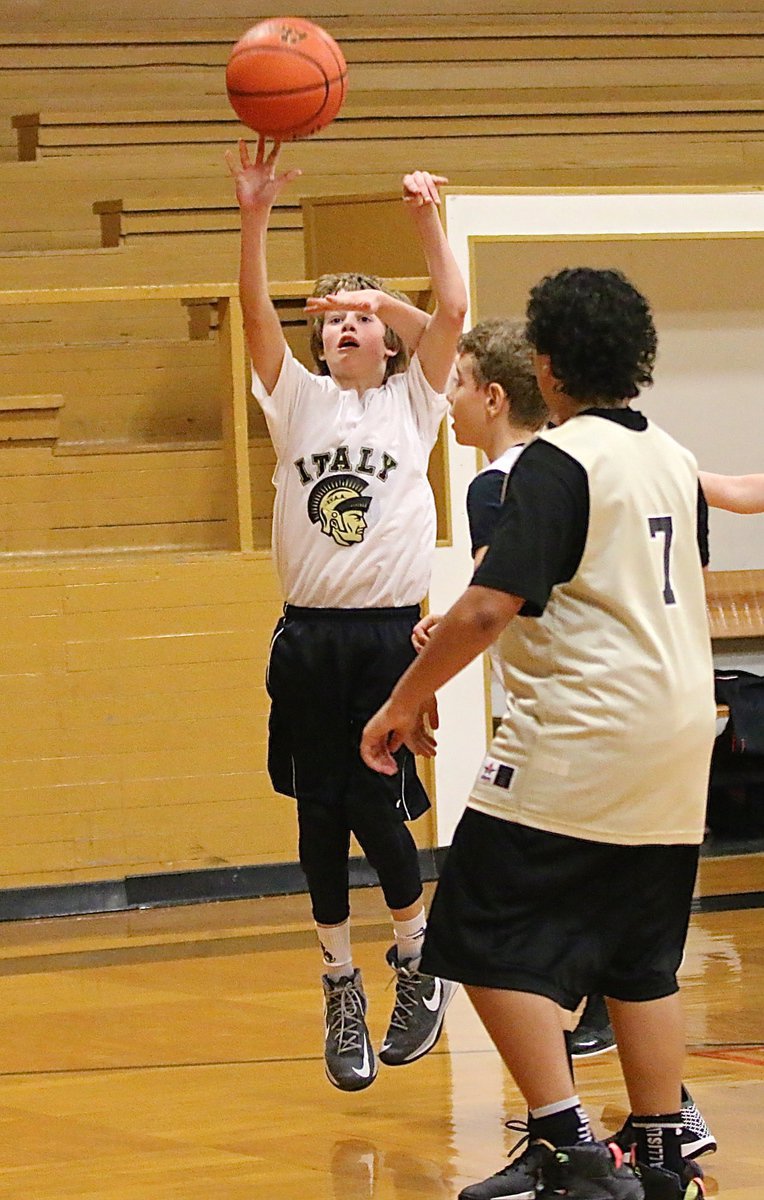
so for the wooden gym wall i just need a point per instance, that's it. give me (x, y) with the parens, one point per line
(138, 599)
(135, 624)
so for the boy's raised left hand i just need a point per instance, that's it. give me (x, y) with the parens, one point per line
(365, 300)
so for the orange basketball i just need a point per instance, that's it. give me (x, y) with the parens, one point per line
(286, 78)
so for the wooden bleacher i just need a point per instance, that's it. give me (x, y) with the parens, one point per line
(735, 605)
(497, 97)
(185, 192)
(735, 601)
(436, 112)
(120, 443)
(673, 90)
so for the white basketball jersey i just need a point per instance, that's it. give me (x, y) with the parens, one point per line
(354, 515)
(611, 715)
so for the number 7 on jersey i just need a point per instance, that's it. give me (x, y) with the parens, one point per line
(664, 525)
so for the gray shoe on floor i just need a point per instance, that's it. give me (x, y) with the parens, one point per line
(417, 1018)
(519, 1180)
(589, 1172)
(348, 1053)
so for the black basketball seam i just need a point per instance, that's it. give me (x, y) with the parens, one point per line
(335, 51)
(304, 128)
(332, 46)
(288, 91)
(327, 84)
(341, 64)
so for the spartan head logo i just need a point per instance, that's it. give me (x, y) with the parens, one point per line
(336, 504)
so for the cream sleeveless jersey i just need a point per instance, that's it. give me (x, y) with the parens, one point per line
(611, 715)
(354, 515)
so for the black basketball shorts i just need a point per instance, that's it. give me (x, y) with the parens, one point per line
(329, 670)
(524, 910)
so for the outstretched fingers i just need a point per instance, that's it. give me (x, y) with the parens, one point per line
(430, 186)
(274, 152)
(237, 167)
(421, 187)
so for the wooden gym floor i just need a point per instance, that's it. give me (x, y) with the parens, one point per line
(176, 1053)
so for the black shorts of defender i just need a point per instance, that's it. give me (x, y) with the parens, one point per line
(520, 909)
(329, 670)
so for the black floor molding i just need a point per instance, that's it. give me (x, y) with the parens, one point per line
(181, 887)
(250, 883)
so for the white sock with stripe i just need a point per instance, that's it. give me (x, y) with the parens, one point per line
(335, 949)
(409, 939)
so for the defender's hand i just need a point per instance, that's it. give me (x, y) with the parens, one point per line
(388, 730)
(420, 634)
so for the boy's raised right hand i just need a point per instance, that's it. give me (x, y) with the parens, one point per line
(257, 184)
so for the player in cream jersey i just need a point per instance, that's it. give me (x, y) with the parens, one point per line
(354, 517)
(572, 869)
(495, 405)
(627, 637)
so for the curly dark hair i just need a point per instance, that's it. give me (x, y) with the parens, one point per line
(501, 354)
(598, 332)
(352, 281)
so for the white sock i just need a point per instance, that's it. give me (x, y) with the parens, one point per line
(334, 941)
(409, 938)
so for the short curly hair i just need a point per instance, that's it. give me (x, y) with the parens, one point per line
(501, 354)
(598, 332)
(350, 281)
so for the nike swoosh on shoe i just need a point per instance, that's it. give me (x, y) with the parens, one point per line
(364, 1071)
(433, 1002)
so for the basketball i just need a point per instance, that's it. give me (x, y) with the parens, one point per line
(286, 78)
